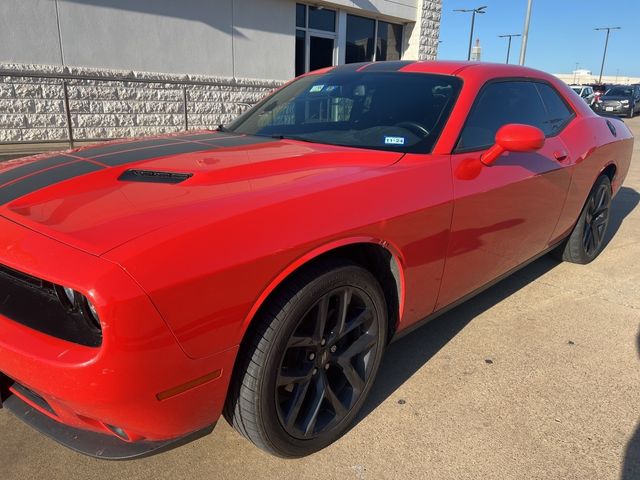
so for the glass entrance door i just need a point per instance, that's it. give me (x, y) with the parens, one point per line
(320, 52)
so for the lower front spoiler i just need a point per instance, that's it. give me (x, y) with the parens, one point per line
(93, 444)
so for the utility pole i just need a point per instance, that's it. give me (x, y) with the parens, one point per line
(525, 32)
(575, 72)
(509, 44)
(606, 44)
(473, 12)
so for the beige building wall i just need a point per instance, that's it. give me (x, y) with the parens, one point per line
(201, 62)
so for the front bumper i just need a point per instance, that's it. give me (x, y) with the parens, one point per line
(93, 444)
(119, 384)
(620, 109)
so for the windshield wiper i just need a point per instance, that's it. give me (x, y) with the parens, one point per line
(222, 128)
(293, 137)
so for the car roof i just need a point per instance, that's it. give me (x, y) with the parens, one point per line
(463, 69)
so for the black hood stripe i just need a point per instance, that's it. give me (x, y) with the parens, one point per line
(390, 66)
(243, 141)
(93, 152)
(349, 67)
(34, 167)
(204, 136)
(26, 179)
(117, 159)
(43, 179)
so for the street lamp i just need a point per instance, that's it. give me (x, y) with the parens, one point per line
(473, 12)
(510, 36)
(525, 32)
(606, 44)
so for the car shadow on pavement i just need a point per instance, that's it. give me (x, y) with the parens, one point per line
(407, 355)
(631, 465)
(623, 204)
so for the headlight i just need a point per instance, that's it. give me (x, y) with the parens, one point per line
(70, 294)
(624, 102)
(77, 303)
(67, 297)
(93, 314)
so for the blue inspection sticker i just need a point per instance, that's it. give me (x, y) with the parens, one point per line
(394, 140)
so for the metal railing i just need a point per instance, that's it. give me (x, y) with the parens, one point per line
(66, 78)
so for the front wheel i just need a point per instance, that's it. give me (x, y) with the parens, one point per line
(310, 360)
(586, 241)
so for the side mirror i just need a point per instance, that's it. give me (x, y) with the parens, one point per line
(514, 137)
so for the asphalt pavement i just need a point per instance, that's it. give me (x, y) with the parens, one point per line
(536, 378)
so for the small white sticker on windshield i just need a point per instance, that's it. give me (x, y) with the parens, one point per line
(316, 88)
(394, 140)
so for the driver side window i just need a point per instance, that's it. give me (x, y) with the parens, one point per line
(500, 103)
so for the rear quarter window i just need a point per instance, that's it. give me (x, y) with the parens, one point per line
(502, 102)
(558, 113)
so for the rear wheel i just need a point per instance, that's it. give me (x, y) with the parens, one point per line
(310, 362)
(587, 238)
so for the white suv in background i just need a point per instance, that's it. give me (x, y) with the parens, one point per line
(586, 92)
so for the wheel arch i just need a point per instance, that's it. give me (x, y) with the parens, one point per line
(610, 170)
(380, 257)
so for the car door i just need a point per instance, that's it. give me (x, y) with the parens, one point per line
(507, 213)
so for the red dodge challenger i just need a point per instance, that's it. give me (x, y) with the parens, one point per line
(260, 270)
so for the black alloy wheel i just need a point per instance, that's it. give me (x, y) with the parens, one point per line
(309, 359)
(327, 362)
(587, 238)
(596, 219)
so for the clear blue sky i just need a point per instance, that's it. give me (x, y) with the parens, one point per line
(561, 33)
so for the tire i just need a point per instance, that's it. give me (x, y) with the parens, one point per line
(631, 112)
(297, 387)
(586, 241)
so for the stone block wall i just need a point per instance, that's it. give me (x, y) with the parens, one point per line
(422, 37)
(112, 104)
(430, 13)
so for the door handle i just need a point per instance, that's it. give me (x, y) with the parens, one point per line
(561, 155)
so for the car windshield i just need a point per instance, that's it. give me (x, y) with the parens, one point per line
(619, 92)
(578, 90)
(402, 112)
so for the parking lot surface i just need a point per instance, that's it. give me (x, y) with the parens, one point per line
(537, 378)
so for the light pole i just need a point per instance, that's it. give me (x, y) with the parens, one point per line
(473, 12)
(525, 32)
(606, 44)
(575, 72)
(510, 36)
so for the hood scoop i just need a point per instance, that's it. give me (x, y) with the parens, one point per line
(154, 176)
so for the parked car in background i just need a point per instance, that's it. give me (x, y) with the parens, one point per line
(260, 270)
(586, 93)
(599, 88)
(620, 100)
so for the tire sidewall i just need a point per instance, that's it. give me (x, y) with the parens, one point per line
(575, 244)
(275, 434)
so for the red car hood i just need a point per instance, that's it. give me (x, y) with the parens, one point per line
(100, 197)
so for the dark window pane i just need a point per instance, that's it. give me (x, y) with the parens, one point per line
(558, 114)
(360, 34)
(320, 53)
(389, 41)
(324, 19)
(301, 15)
(300, 52)
(498, 104)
